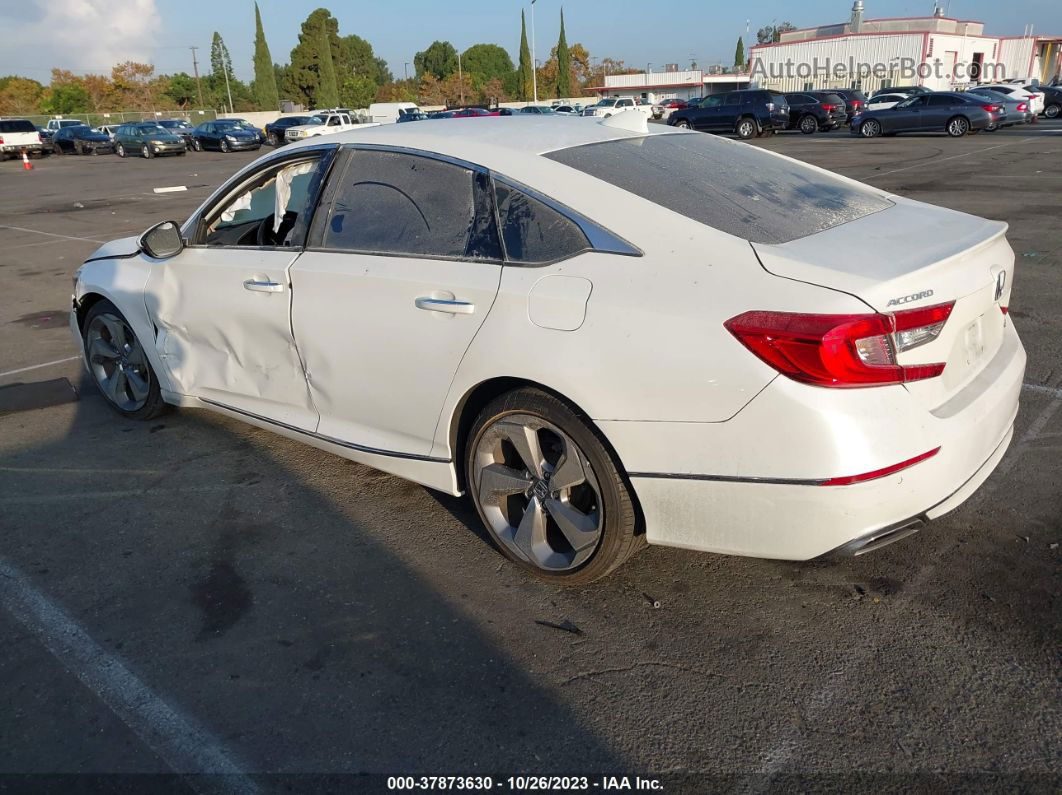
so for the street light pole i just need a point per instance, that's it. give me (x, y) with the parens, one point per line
(534, 70)
(406, 67)
(195, 68)
(460, 79)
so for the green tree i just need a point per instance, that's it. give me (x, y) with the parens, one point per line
(19, 96)
(439, 60)
(773, 33)
(525, 89)
(303, 82)
(564, 64)
(66, 98)
(357, 92)
(357, 58)
(181, 91)
(739, 54)
(328, 93)
(485, 62)
(220, 62)
(265, 79)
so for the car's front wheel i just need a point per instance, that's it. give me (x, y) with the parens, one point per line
(197, 145)
(274, 140)
(682, 124)
(871, 128)
(553, 499)
(118, 364)
(224, 145)
(119, 150)
(145, 152)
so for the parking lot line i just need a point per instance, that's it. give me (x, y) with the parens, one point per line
(949, 157)
(39, 366)
(51, 234)
(184, 746)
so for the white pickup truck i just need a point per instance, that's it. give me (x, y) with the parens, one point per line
(322, 124)
(18, 136)
(609, 106)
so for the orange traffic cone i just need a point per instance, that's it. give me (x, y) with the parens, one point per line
(26, 164)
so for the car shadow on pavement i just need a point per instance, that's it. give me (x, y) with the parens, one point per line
(255, 597)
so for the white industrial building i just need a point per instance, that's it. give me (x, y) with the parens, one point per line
(935, 51)
(670, 84)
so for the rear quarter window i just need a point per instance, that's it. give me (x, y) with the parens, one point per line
(735, 188)
(17, 126)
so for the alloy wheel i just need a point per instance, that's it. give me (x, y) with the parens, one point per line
(117, 362)
(808, 125)
(683, 124)
(224, 145)
(537, 492)
(746, 129)
(1052, 111)
(870, 129)
(145, 152)
(120, 151)
(958, 127)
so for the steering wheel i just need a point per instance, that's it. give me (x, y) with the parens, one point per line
(265, 231)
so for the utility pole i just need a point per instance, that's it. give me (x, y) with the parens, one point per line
(460, 79)
(534, 66)
(195, 68)
(225, 69)
(406, 66)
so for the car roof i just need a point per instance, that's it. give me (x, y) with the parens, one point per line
(491, 140)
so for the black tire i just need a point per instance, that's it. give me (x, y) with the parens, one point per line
(620, 530)
(274, 140)
(197, 145)
(57, 149)
(809, 124)
(746, 128)
(683, 124)
(223, 145)
(957, 126)
(145, 152)
(78, 148)
(1053, 111)
(153, 405)
(871, 128)
(119, 150)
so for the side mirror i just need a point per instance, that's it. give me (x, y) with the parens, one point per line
(162, 241)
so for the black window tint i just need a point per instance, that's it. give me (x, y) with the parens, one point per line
(737, 189)
(534, 232)
(942, 99)
(17, 126)
(396, 203)
(734, 99)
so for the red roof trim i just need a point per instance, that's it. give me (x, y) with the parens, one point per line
(654, 85)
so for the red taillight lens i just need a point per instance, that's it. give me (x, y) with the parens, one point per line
(841, 350)
(857, 103)
(826, 106)
(848, 480)
(1021, 107)
(990, 108)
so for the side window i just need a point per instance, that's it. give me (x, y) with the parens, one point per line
(734, 99)
(264, 210)
(397, 203)
(941, 100)
(332, 121)
(534, 232)
(712, 102)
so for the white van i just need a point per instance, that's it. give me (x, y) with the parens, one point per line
(388, 112)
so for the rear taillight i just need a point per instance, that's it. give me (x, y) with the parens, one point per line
(770, 106)
(1021, 107)
(842, 350)
(1, 140)
(856, 104)
(990, 108)
(826, 106)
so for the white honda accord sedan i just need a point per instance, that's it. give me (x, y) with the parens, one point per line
(606, 335)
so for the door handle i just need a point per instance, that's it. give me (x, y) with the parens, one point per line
(263, 286)
(445, 305)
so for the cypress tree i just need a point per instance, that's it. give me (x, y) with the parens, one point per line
(328, 93)
(265, 78)
(739, 54)
(564, 64)
(524, 71)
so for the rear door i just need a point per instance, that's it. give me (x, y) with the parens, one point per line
(402, 267)
(727, 117)
(940, 108)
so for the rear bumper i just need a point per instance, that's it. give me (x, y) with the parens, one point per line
(20, 148)
(752, 485)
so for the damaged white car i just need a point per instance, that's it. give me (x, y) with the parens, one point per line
(605, 335)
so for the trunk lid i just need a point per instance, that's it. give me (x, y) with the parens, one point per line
(910, 256)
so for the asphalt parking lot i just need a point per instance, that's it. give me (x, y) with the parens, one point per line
(196, 595)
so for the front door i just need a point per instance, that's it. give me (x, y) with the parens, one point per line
(401, 268)
(222, 306)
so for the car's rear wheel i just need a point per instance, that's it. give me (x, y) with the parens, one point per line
(118, 364)
(957, 127)
(871, 128)
(808, 125)
(682, 124)
(1053, 111)
(746, 128)
(273, 139)
(553, 499)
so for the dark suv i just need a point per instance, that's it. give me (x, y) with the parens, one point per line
(746, 113)
(810, 112)
(855, 101)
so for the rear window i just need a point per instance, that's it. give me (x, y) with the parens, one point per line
(17, 126)
(735, 188)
